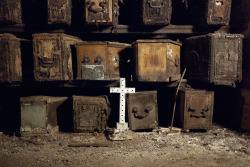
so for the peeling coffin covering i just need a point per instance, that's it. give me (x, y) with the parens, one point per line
(59, 11)
(39, 114)
(90, 113)
(103, 60)
(155, 12)
(53, 56)
(210, 12)
(195, 109)
(10, 58)
(11, 12)
(214, 58)
(156, 60)
(101, 12)
(142, 110)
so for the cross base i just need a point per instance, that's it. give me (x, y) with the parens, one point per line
(120, 127)
(121, 132)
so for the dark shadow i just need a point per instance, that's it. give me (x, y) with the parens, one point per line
(165, 98)
(27, 61)
(10, 111)
(179, 13)
(125, 66)
(227, 110)
(77, 11)
(114, 115)
(35, 15)
(65, 116)
(74, 61)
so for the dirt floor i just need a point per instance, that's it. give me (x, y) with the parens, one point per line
(217, 147)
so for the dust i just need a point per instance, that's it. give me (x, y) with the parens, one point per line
(217, 147)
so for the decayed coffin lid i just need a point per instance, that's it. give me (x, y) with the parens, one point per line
(11, 63)
(158, 41)
(142, 110)
(109, 44)
(36, 100)
(222, 60)
(53, 57)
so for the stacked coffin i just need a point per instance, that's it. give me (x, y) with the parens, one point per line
(10, 12)
(59, 11)
(53, 56)
(107, 12)
(10, 58)
(102, 60)
(211, 12)
(212, 59)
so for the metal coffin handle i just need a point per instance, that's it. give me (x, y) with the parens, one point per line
(142, 114)
(156, 3)
(46, 60)
(202, 113)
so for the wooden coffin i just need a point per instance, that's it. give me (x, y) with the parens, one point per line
(90, 113)
(101, 12)
(157, 60)
(156, 12)
(195, 109)
(102, 60)
(59, 11)
(214, 58)
(53, 56)
(10, 58)
(142, 110)
(10, 12)
(39, 114)
(210, 12)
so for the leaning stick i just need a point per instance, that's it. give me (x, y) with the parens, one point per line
(172, 122)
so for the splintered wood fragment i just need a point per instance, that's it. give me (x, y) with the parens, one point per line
(174, 131)
(89, 145)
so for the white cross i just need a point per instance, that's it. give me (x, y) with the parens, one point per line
(122, 90)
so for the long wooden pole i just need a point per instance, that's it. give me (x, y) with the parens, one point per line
(172, 122)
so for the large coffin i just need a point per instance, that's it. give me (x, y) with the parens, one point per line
(10, 11)
(142, 110)
(10, 58)
(59, 11)
(53, 56)
(211, 12)
(214, 58)
(102, 60)
(195, 109)
(156, 12)
(39, 114)
(101, 12)
(157, 60)
(90, 113)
